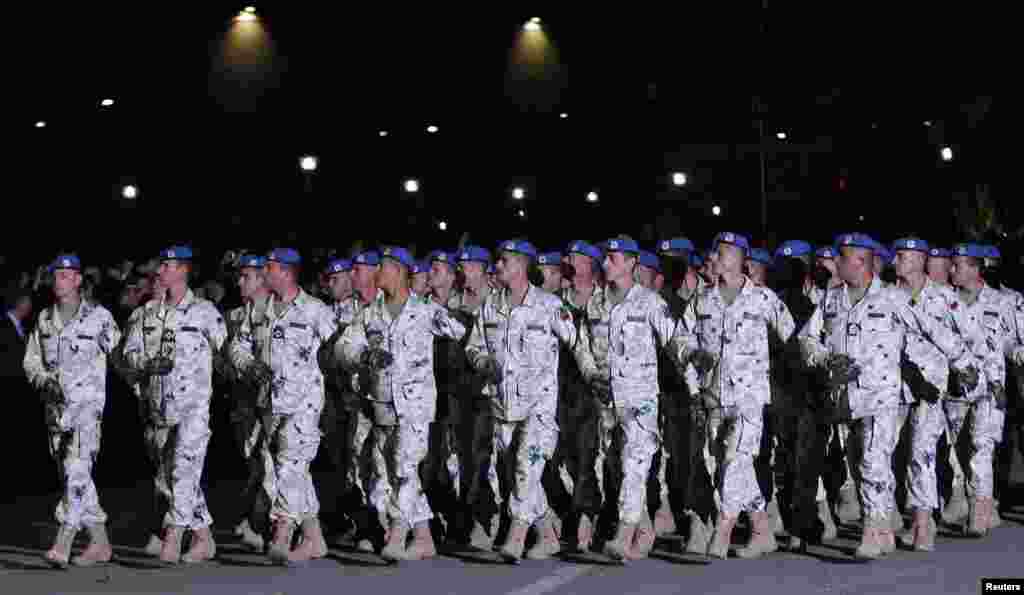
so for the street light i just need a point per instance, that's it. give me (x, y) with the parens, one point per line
(780, 135)
(130, 192)
(563, 115)
(443, 226)
(716, 210)
(432, 129)
(679, 179)
(247, 16)
(518, 193)
(308, 163)
(532, 25)
(928, 123)
(383, 133)
(107, 102)
(40, 124)
(521, 214)
(947, 154)
(412, 186)
(592, 197)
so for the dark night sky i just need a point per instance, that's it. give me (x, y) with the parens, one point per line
(647, 94)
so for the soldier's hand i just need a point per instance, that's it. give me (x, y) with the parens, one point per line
(159, 366)
(702, 361)
(601, 385)
(968, 378)
(377, 359)
(998, 395)
(51, 390)
(919, 385)
(841, 371)
(708, 399)
(489, 368)
(259, 373)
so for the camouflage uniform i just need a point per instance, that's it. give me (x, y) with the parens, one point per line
(523, 343)
(74, 353)
(289, 343)
(403, 397)
(875, 333)
(620, 343)
(178, 405)
(986, 327)
(737, 337)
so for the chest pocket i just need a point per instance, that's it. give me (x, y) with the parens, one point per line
(878, 322)
(830, 322)
(709, 327)
(538, 344)
(751, 333)
(84, 346)
(599, 334)
(493, 333)
(990, 320)
(189, 340)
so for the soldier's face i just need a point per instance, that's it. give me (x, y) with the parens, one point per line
(66, 282)
(757, 272)
(727, 259)
(474, 274)
(909, 262)
(340, 285)
(659, 281)
(250, 280)
(172, 272)
(552, 278)
(853, 263)
(645, 276)
(419, 283)
(508, 267)
(829, 264)
(364, 276)
(966, 270)
(618, 266)
(389, 274)
(938, 270)
(276, 276)
(440, 274)
(582, 267)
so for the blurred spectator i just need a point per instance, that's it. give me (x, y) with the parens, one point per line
(13, 333)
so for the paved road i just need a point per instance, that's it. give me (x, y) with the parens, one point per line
(954, 568)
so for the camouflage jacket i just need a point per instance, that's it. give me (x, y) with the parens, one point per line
(987, 329)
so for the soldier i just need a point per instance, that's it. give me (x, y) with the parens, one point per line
(66, 362)
(418, 281)
(550, 265)
(859, 335)
(618, 356)
(173, 342)
(284, 354)
(648, 270)
(727, 342)
(757, 266)
(985, 324)
(514, 342)
(255, 294)
(939, 264)
(924, 387)
(391, 345)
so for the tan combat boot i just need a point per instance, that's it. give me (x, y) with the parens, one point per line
(99, 550)
(698, 539)
(480, 538)
(870, 547)
(848, 509)
(618, 548)
(994, 519)
(643, 539)
(957, 509)
(313, 546)
(250, 538)
(394, 548)
(722, 537)
(281, 543)
(154, 546)
(762, 537)
(775, 518)
(584, 534)
(924, 531)
(664, 520)
(422, 546)
(895, 520)
(60, 552)
(977, 521)
(203, 547)
(547, 540)
(825, 514)
(512, 550)
(170, 553)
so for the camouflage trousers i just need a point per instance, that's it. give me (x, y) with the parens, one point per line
(672, 407)
(75, 451)
(870, 447)
(984, 425)
(625, 435)
(926, 427)
(179, 452)
(519, 452)
(734, 440)
(289, 447)
(395, 486)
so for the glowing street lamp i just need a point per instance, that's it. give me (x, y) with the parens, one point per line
(247, 16)
(716, 210)
(130, 192)
(592, 197)
(947, 154)
(443, 226)
(412, 186)
(518, 193)
(107, 102)
(382, 133)
(780, 135)
(533, 25)
(563, 115)
(432, 129)
(308, 163)
(40, 124)
(679, 179)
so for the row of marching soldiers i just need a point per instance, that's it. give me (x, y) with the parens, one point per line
(468, 398)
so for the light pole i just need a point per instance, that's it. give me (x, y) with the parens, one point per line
(308, 164)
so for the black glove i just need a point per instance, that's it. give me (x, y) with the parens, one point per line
(998, 395)
(160, 365)
(702, 360)
(51, 390)
(841, 371)
(259, 373)
(967, 379)
(601, 385)
(708, 399)
(919, 385)
(377, 359)
(489, 368)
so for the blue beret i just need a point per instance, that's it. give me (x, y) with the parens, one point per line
(939, 252)
(398, 253)
(825, 252)
(650, 260)
(762, 256)
(491, 270)
(441, 256)
(475, 254)
(550, 259)
(338, 265)
(856, 240)
(420, 266)
(369, 258)
(66, 261)
(992, 252)
(251, 261)
(285, 256)
(696, 260)
(586, 249)
(520, 246)
(676, 245)
(910, 244)
(621, 245)
(793, 248)
(735, 239)
(972, 250)
(176, 253)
